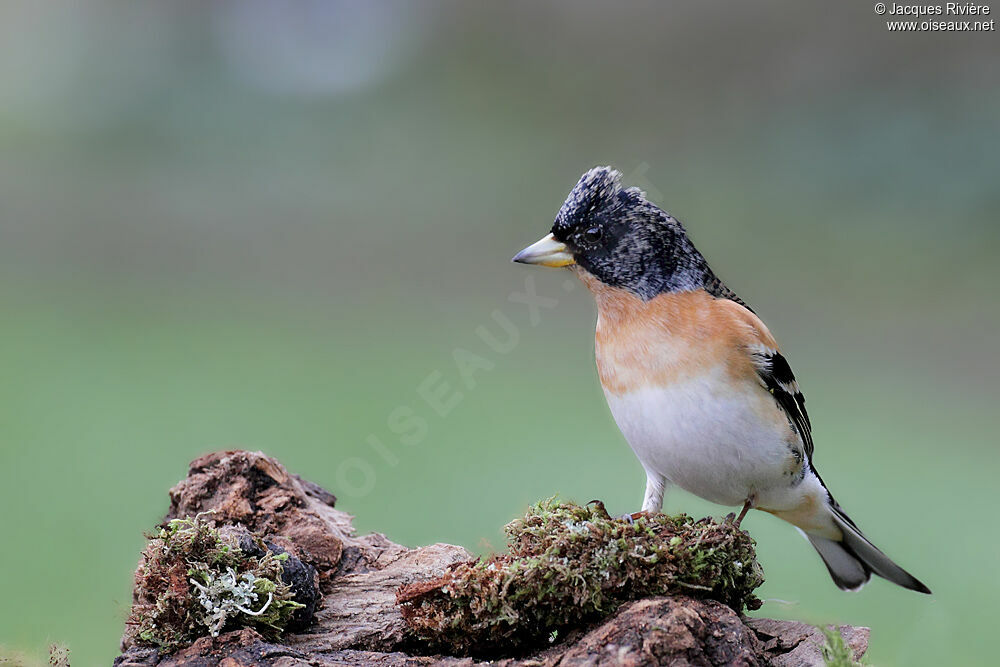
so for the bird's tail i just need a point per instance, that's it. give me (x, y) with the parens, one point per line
(852, 559)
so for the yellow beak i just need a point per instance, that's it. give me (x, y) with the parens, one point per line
(547, 252)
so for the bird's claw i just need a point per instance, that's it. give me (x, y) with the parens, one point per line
(599, 504)
(630, 518)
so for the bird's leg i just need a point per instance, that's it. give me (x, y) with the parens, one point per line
(750, 502)
(652, 501)
(743, 513)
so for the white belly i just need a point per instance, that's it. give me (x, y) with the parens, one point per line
(717, 441)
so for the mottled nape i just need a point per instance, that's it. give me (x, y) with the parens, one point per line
(628, 242)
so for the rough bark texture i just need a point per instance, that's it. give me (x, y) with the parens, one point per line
(359, 623)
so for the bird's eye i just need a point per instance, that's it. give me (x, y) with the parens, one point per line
(593, 235)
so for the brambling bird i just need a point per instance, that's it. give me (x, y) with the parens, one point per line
(694, 379)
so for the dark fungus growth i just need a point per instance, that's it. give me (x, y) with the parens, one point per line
(568, 565)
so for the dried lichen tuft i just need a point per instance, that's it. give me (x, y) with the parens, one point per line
(195, 580)
(569, 565)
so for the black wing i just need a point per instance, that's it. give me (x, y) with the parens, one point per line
(777, 376)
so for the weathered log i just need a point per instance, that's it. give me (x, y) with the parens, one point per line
(358, 621)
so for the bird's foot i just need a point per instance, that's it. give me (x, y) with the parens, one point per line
(627, 518)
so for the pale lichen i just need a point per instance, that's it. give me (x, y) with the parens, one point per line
(196, 580)
(225, 596)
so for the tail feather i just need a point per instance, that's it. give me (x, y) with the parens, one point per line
(852, 560)
(846, 569)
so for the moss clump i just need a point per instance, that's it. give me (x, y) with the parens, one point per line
(569, 565)
(835, 653)
(195, 580)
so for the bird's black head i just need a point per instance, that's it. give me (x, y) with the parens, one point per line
(620, 238)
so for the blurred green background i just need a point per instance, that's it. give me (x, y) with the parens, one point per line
(259, 225)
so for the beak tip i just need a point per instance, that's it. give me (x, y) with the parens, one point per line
(545, 252)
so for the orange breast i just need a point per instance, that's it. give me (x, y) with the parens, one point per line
(671, 337)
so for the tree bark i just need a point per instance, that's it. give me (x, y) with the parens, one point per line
(359, 623)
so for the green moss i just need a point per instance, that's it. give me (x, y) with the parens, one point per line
(195, 580)
(835, 653)
(570, 564)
